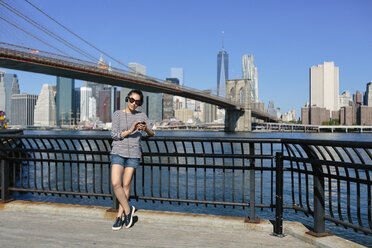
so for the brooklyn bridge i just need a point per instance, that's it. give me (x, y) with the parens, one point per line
(239, 109)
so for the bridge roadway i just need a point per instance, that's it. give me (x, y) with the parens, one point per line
(61, 225)
(27, 59)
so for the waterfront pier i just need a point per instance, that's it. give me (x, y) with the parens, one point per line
(325, 182)
(64, 225)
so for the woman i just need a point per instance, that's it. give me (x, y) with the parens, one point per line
(126, 131)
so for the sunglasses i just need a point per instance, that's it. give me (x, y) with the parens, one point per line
(132, 100)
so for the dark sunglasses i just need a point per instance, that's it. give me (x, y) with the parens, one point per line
(132, 100)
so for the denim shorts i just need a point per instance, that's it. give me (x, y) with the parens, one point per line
(125, 162)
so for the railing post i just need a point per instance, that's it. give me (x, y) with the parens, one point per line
(278, 226)
(252, 188)
(318, 191)
(319, 210)
(4, 180)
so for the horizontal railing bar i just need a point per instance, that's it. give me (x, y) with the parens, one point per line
(208, 155)
(334, 143)
(333, 176)
(28, 150)
(347, 224)
(204, 166)
(50, 160)
(329, 163)
(59, 192)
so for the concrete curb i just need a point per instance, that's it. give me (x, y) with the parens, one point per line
(294, 229)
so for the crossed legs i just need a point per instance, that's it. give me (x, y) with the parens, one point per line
(121, 186)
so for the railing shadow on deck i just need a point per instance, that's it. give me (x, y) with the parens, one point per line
(249, 173)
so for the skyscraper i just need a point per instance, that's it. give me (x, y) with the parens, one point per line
(357, 98)
(324, 87)
(222, 70)
(95, 91)
(2, 92)
(104, 104)
(76, 107)
(65, 100)
(22, 109)
(85, 94)
(8, 87)
(249, 71)
(45, 108)
(368, 97)
(92, 108)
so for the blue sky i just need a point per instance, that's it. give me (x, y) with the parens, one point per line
(286, 37)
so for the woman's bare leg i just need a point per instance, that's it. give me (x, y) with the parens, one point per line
(117, 184)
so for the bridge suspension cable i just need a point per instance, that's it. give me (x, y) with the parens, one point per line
(47, 31)
(28, 33)
(76, 35)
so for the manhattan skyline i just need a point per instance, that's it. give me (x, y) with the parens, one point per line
(285, 37)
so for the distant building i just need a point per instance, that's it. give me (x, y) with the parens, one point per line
(365, 116)
(96, 87)
(348, 115)
(249, 71)
(85, 94)
(357, 98)
(152, 106)
(23, 106)
(184, 114)
(168, 104)
(8, 87)
(76, 107)
(104, 105)
(368, 95)
(289, 116)
(2, 93)
(222, 71)
(65, 100)
(305, 115)
(345, 99)
(209, 112)
(271, 110)
(314, 115)
(324, 86)
(45, 108)
(92, 108)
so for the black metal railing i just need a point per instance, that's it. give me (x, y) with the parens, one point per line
(337, 175)
(247, 173)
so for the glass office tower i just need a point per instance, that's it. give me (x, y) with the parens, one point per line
(65, 101)
(222, 71)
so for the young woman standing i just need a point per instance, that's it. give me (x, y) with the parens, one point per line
(127, 127)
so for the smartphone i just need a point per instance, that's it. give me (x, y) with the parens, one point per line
(142, 122)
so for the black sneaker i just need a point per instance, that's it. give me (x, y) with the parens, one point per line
(128, 220)
(118, 224)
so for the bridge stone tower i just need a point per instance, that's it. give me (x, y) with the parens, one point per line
(239, 120)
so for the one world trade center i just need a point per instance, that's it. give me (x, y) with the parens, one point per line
(222, 70)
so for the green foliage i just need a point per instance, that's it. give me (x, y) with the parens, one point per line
(333, 122)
